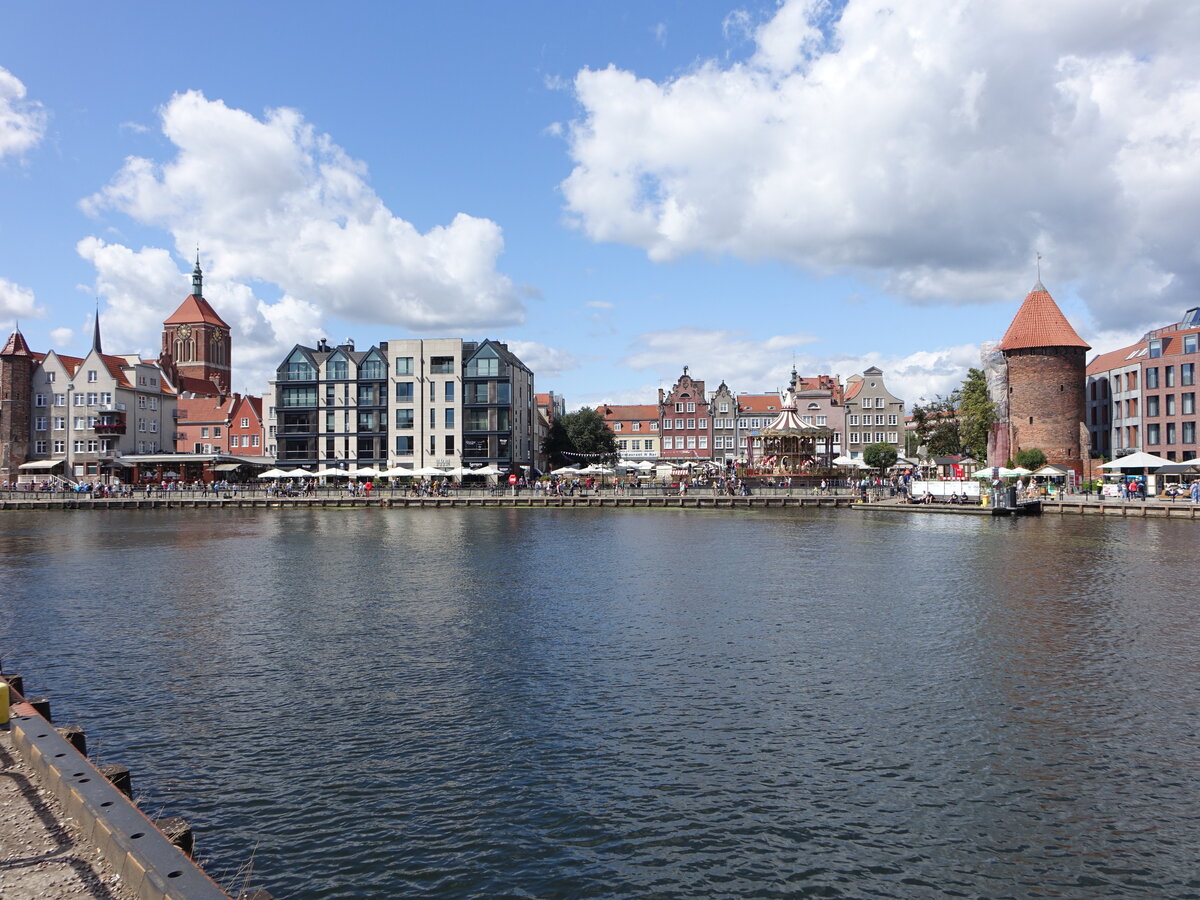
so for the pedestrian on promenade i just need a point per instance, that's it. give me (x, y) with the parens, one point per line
(1195, 491)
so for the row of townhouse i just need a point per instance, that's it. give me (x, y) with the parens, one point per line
(410, 403)
(688, 424)
(78, 417)
(1143, 397)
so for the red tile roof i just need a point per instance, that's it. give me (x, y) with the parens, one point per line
(195, 309)
(16, 346)
(611, 412)
(1040, 323)
(759, 403)
(1114, 359)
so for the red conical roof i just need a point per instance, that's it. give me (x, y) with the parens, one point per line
(1040, 323)
(16, 346)
(194, 310)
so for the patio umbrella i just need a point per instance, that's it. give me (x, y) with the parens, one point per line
(486, 470)
(1136, 461)
(274, 473)
(367, 472)
(298, 473)
(398, 472)
(426, 472)
(1021, 471)
(566, 470)
(326, 472)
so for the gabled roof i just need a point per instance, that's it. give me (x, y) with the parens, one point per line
(1040, 323)
(612, 412)
(759, 403)
(195, 309)
(1114, 359)
(853, 388)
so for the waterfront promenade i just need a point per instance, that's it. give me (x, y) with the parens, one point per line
(646, 498)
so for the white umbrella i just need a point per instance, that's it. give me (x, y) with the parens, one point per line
(298, 473)
(426, 472)
(645, 465)
(566, 470)
(274, 473)
(486, 470)
(1021, 471)
(398, 472)
(326, 472)
(1136, 461)
(367, 472)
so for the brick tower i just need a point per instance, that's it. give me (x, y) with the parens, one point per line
(1046, 362)
(196, 344)
(17, 363)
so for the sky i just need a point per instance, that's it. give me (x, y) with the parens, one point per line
(617, 190)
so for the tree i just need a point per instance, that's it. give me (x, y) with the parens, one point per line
(880, 456)
(583, 431)
(976, 413)
(1031, 458)
(937, 425)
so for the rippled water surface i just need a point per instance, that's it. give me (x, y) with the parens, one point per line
(595, 703)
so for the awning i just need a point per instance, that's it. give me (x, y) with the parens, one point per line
(226, 467)
(41, 464)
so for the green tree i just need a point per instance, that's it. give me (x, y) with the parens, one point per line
(1031, 458)
(880, 456)
(976, 413)
(936, 423)
(582, 431)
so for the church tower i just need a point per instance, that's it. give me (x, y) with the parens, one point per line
(17, 363)
(1046, 364)
(196, 344)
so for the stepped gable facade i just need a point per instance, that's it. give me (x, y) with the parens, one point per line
(1046, 362)
(685, 427)
(196, 345)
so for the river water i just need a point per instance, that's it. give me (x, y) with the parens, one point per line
(630, 703)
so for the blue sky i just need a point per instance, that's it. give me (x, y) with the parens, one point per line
(617, 190)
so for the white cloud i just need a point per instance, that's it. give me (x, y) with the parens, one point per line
(17, 302)
(755, 366)
(638, 396)
(717, 355)
(143, 287)
(546, 362)
(598, 304)
(22, 122)
(61, 337)
(930, 147)
(273, 200)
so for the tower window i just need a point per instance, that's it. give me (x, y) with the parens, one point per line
(1031, 420)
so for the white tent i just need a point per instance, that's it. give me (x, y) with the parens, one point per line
(1021, 471)
(1049, 471)
(1136, 461)
(1004, 473)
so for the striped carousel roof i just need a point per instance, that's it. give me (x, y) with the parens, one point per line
(788, 423)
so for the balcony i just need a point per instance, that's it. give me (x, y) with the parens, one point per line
(111, 407)
(109, 428)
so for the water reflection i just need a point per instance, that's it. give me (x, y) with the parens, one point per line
(586, 703)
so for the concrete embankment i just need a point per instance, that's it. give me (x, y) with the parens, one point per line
(695, 501)
(72, 829)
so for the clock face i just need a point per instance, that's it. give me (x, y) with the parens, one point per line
(218, 335)
(185, 330)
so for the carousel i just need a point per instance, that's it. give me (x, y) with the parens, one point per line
(792, 445)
